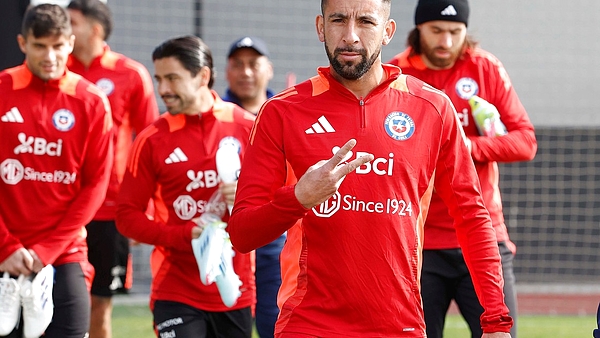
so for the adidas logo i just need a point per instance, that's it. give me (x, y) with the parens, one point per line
(322, 126)
(13, 115)
(450, 10)
(177, 156)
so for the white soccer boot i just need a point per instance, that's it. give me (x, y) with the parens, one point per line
(36, 298)
(228, 282)
(10, 304)
(228, 163)
(207, 248)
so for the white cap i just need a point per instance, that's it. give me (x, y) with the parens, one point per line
(62, 3)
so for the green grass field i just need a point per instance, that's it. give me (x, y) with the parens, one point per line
(135, 321)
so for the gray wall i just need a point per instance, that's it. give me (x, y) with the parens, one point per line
(550, 50)
(548, 47)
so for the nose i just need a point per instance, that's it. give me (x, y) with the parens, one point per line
(350, 37)
(162, 87)
(50, 55)
(446, 40)
(247, 70)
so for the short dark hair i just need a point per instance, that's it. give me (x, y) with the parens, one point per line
(191, 51)
(324, 3)
(46, 20)
(95, 10)
(414, 41)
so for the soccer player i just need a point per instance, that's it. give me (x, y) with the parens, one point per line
(128, 86)
(441, 53)
(55, 158)
(173, 162)
(369, 146)
(248, 73)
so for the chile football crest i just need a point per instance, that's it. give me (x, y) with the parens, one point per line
(466, 88)
(399, 126)
(63, 120)
(106, 85)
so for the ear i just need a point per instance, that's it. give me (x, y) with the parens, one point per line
(204, 75)
(319, 22)
(22, 42)
(98, 30)
(71, 43)
(388, 33)
(270, 65)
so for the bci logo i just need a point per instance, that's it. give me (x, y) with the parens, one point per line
(380, 166)
(37, 146)
(202, 179)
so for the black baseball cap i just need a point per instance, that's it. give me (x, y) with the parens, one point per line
(249, 42)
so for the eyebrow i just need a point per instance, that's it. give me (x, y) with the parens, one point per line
(367, 17)
(337, 15)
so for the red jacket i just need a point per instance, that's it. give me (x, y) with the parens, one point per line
(55, 158)
(352, 267)
(129, 89)
(173, 162)
(477, 72)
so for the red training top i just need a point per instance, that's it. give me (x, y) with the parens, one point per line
(55, 159)
(352, 267)
(173, 162)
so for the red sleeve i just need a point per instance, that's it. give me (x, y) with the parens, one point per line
(456, 182)
(143, 107)
(264, 207)
(94, 175)
(10, 243)
(520, 143)
(138, 187)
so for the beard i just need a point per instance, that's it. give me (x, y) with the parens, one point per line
(348, 70)
(441, 63)
(173, 103)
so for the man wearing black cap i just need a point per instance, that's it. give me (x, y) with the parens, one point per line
(248, 73)
(442, 54)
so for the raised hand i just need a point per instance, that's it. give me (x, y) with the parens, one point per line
(322, 179)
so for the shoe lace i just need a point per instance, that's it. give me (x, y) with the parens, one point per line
(27, 298)
(8, 293)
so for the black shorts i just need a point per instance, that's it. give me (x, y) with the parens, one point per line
(172, 319)
(71, 299)
(108, 252)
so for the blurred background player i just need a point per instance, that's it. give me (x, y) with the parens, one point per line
(442, 54)
(248, 73)
(56, 155)
(128, 86)
(173, 162)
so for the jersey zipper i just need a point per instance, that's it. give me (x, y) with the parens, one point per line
(363, 116)
(44, 113)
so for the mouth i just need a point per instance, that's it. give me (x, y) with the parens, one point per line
(348, 55)
(169, 99)
(49, 68)
(443, 53)
(245, 85)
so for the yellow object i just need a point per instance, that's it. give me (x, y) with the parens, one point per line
(487, 118)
